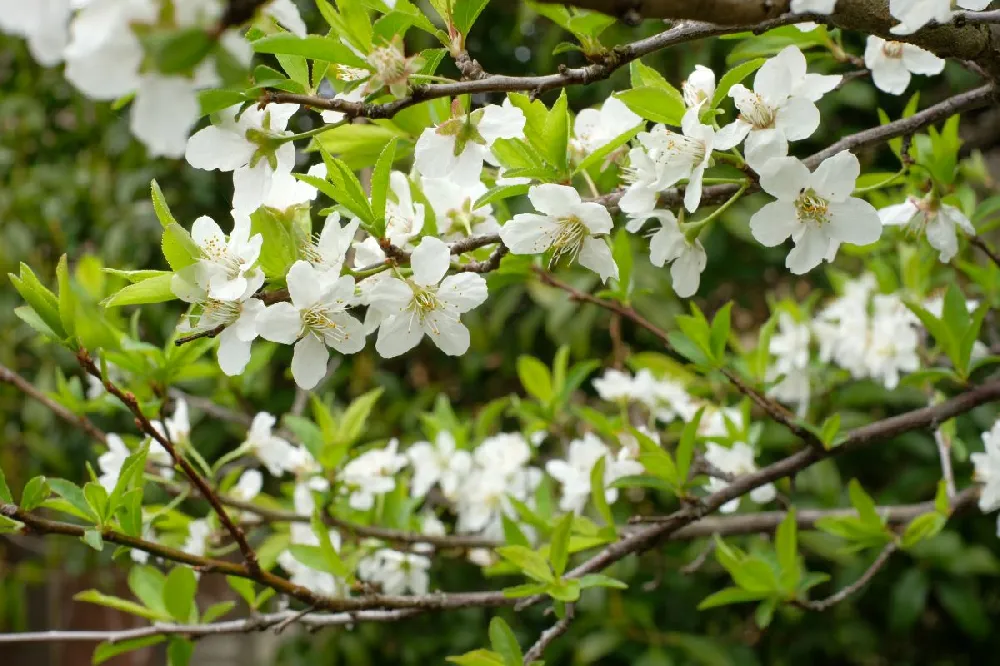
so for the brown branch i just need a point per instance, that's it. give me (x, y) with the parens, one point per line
(866, 577)
(78, 420)
(549, 635)
(144, 425)
(774, 410)
(984, 247)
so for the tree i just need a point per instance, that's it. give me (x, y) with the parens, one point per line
(441, 196)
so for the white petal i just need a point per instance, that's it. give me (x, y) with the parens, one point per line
(685, 272)
(309, 361)
(898, 213)
(785, 178)
(890, 75)
(814, 86)
(217, 148)
(919, 61)
(774, 223)
(280, 322)
(763, 146)
(398, 335)
(528, 233)
(233, 353)
(390, 296)
(854, 221)
(287, 14)
(464, 290)
(554, 200)
(430, 261)
(595, 217)
(834, 179)
(942, 237)
(596, 255)
(163, 114)
(775, 78)
(251, 185)
(205, 231)
(501, 122)
(448, 333)
(304, 285)
(434, 154)
(797, 119)
(352, 336)
(810, 249)
(692, 194)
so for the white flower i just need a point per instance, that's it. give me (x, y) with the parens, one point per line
(225, 266)
(988, 471)
(244, 143)
(568, 225)
(781, 107)
(288, 191)
(111, 461)
(915, 14)
(177, 427)
(815, 209)
(319, 582)
(614, 385)
(574, 472)
(197, 540)
(426, 303)
(44, 23)
(315, 319)
(669, 244)
(403, 218)
(460, 145)
(737, 461)
(699, 87)
(270, 449)
(452, 200)
(936, 219)
(438, 463)
(789, 348)
(593, 129)
(893, 340)
(671, 157)
(498, 471)
(395, 572)
(287, 14)
(327, 252)
(891, 63)
(372, 473)
(503, 455)
(248, 486)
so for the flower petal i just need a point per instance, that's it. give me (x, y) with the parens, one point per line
(854, 221)
(785, 178)
(528, 233)
(430, 261)
(835, 178)
(774, 223)
(304, 285)
(448, 333)
(398, 335)
(233, 353)
(810, 249)
(465, 291)
(309, 361)
(554, 200)
(280, 322)
(596, 255)
(898, 213)
(797, 119)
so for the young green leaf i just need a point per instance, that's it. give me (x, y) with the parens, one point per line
(559, 546)
(504, 642)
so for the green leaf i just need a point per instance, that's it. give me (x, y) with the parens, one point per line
(641, 75)
(334, 564)
(380, 186)
(604, 151)
(478, 658)
(465, 12)
(356, 416)
(278, 248)
(730, 595)
(106, 651)
(600, 580)
(786, 544)
(311, 47)
(124, 605)
(504, 642)
(528, 561)
(566, 590)
(153, 290)
(67, 300)
(732, 77)
(555, 137)
(598, 492)
(5, 495)
(243, 587)
(40, 298)
(97, 500)
(923, 527)
(685, 448)
(655, 104)
(179, 249)
(526, 590)
(864, 504)
(35, 492)
(501, 193)
(215, 611)
(93, 539)
(535, 378)
(765, 612)
(559, 546)
(160, 206)
(178, 594)
(719, 333)
(75, 495)
(147, 584)
(179, 652)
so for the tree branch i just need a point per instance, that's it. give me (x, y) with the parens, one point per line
(145, 426)
(549, 635)
(866, 577)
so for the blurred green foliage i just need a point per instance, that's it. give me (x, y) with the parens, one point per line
(72, 181)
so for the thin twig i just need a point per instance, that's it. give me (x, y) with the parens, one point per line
(549, 635)
(142, 421)
(78, 420)
(984, 247)
(944, 454)
(866, 577)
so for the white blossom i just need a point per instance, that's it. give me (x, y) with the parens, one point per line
(936, 219)
(915, 14)
(253, 144)
(248, 486)
(780, 108)
(372, 473)
(669, 244)
(815, 209)
(43, 23)
(460, 145)
(568, 226)
(699, 87)
(499, 471)
(199, 532)
(326, 253)
(593, 128)
(574, 472)
(225, 266)
(287, 14)
(426, 303)
(892, 63)
(813, 6)
(452, 200)
(404, 219)
(736, 460)
(667, 157)
(987, 472)
(789, 348)
(315, 319)
(438, 463)
(395, 572)
(176, 427)
(111, 461)
(269, 448)
(287, 191)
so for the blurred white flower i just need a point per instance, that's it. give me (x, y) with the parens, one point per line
(736, 460)
(593, 128)
(892, 63)
(438, 463)
(372, 473)
(937, 220)
(273, 451)
(395, 572)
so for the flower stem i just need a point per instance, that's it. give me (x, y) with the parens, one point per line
(311, 133)
(693, 229)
